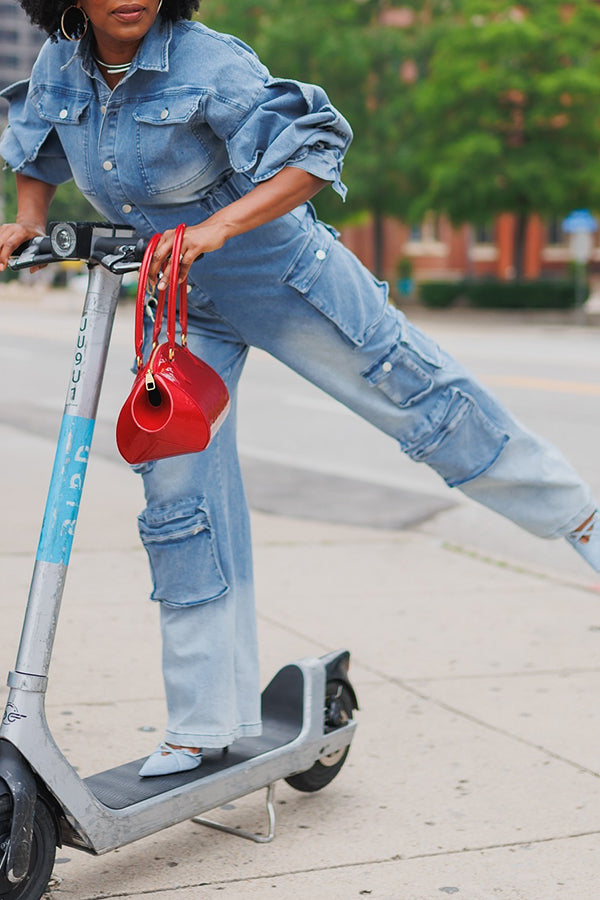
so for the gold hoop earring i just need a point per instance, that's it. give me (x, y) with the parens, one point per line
(74, 23)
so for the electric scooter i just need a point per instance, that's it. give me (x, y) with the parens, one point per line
(307, 708)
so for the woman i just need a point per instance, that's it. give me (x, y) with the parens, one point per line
(159, 121)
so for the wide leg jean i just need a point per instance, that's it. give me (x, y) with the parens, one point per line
(293, 290)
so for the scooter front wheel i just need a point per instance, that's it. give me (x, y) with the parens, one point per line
(339, 705)
(43, 852)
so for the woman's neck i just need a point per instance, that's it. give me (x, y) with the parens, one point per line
(114, 53)
(114, 59)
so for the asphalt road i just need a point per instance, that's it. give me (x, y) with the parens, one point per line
(306, 455)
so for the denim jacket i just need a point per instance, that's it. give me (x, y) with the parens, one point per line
(195, 107)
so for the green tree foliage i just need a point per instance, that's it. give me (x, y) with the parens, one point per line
(509, 112)
(68, 203)
(501, 116)
(343, 46)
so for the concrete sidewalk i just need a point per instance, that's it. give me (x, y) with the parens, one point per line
(474, 771)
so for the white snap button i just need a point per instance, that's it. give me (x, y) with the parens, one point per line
(127, 208)
(102, 109)
(63, 114)
(107, 166)
(320, 254)
(387, 367)
(164, 113)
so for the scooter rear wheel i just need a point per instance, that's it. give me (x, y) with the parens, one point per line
(43, 852)
(338, 711)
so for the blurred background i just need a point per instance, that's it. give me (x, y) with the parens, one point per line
(476, 134)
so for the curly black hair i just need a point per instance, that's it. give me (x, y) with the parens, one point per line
(47, 15)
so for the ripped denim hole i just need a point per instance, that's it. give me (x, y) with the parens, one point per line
(583, 534)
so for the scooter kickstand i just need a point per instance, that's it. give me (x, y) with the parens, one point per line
(239, 832)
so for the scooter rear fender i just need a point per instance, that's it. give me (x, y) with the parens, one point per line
(337, 664)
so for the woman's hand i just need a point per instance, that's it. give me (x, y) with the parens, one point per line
(197, 240)
(12, 235)
(267, 201)
(33, 201)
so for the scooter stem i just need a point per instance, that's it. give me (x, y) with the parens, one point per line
(68, 474)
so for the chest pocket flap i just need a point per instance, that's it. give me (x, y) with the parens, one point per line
(167, 110)
(62, 109)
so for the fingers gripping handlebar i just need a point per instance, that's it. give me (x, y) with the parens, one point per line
(116, 247)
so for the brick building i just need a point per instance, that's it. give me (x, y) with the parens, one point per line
(440, 251)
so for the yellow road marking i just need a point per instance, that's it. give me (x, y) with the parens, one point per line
(545, 384)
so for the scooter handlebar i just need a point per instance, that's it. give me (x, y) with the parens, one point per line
(115, 247)
(36, 252)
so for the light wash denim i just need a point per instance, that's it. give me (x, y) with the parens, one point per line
(191, 128)
(194, 106)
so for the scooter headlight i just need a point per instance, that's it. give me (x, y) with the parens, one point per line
(63, 240)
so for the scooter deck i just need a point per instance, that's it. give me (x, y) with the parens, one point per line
(282, 706)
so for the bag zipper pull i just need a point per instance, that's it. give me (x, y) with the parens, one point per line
(150, 382)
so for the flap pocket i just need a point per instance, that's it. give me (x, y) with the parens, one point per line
(335, 283)
(465, 444)
(63, 108)
(166, 110)
(307, 265)
(406, 371)
(183, 555)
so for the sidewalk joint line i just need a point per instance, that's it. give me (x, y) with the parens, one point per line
(516, 568)
(475, 720)
(411, 689)
(530, 673)
(396, 858)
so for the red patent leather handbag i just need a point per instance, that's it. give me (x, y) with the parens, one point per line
(177, 402)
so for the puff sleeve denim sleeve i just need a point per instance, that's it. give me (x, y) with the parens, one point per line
(291, 124)
(283, 123)
(30, 144)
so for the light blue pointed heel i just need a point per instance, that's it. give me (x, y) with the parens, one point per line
(168, 760)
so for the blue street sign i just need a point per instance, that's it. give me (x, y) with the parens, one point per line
(580, 220)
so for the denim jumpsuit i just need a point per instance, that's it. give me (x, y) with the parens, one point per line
(194, 124)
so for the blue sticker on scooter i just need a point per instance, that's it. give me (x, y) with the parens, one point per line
(64, 494)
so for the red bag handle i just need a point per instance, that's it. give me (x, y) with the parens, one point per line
(140, 299)
(174, 289)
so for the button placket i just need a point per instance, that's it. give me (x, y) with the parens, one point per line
(107, 137)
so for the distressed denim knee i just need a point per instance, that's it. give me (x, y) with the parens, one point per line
(181, 547)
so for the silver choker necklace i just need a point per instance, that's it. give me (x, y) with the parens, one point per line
(114, 70)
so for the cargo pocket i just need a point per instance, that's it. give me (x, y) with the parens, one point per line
(406, 371)
(464, 444)
(332, 280)
(68, 113)
(183, 557)
(167, 130)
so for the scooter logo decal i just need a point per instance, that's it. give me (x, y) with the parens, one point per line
(64, 495)
(11, 714)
